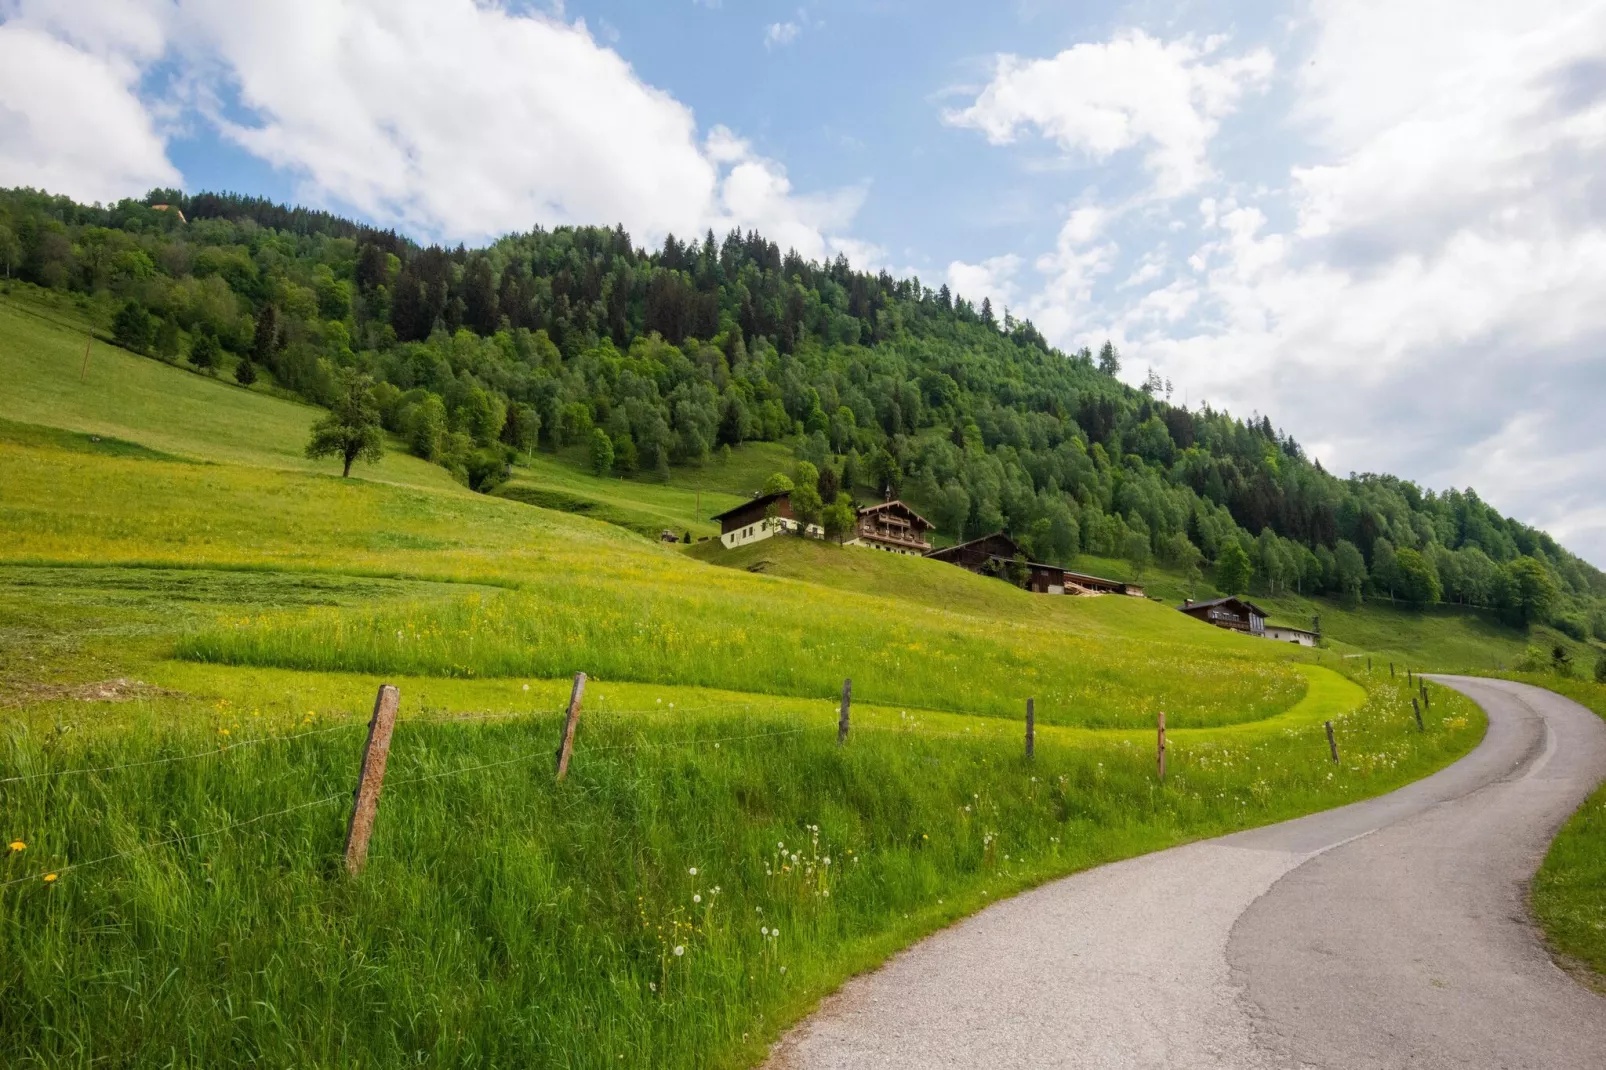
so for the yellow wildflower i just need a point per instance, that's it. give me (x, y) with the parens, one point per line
(17, 845)
(49, 878)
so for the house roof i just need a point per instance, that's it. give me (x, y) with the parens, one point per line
(1291, 628)
(985, 538)
(1223, 601)
(946, 550)
(900, 504)
(763, 499)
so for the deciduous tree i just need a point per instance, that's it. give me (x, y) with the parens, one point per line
(351, 429)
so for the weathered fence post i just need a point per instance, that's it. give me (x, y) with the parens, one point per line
(1410, 678)
(1159, 752)
(365, 801)
(1425, 703)
(1368, 664)
(847, 701)
(1418, 711)
(1391, 670)
(1332, 743)
(1031, 727)
(572, 721)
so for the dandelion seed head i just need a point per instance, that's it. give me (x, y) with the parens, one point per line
(692, 871)
(680, 949)
(696, 898)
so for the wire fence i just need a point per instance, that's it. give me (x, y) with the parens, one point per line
(606, 715)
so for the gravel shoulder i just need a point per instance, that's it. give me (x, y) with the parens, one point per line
(1390, 933)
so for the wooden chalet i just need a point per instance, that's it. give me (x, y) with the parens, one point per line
(996, 554)
(894, 527)
(1234, 614)
(751, 521)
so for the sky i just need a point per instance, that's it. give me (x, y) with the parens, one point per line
(1381, 224)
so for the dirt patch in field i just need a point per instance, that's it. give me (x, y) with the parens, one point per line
(119, 689)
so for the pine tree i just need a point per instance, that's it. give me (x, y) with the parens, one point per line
(245, 372)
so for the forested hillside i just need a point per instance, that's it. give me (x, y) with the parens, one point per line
(575, 336)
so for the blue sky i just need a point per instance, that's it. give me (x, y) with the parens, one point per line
(1377, 222)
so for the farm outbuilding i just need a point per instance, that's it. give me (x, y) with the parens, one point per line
(997, 555)
(1282, 633)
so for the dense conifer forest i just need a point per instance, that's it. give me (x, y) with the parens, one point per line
(576, 337)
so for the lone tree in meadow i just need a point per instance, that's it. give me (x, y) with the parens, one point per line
(1232, 569)
(351, 430)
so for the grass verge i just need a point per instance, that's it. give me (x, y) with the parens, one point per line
(705, 874)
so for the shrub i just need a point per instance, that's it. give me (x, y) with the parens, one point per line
(1572, 625)
(1600, 670)
(1533, 660)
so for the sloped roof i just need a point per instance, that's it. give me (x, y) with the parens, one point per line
(763, 499)
(900, 504)
(1223, 601)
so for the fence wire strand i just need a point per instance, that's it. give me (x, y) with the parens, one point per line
(326, 800)
(184, 757)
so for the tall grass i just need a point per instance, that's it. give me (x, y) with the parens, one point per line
(744, 641)
(508, 920)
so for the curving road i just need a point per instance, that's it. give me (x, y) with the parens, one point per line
(1388, 933)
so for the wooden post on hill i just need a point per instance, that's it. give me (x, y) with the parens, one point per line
(1425, 703)
(847, 701)
(572, 721)
(84, 371)
(365, 801)
(1031, 728)
(1418, 711)
(1368, 664)
(1391, 670)
(1159, 752)
(1410, 678)
(1332, 743)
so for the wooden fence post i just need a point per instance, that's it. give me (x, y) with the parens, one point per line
(847, 701)
(1332, 743)
(1425, 703)
(1159, 753)
(365, 801)
(1368, 664)
(1391, 670)
(572, 721)
(1418, 711)
(1031, 727)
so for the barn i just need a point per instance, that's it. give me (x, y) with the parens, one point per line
(997, 554)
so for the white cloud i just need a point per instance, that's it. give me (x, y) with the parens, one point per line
(454, 119)
(779, 34)
(70, 119)
(1099, 99)
(993, 278)
(1420, 296)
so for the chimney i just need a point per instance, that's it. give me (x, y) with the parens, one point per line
(1186, 602)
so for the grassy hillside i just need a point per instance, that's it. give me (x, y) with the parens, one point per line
(1569, 891)
(190, 639)
(645, 503)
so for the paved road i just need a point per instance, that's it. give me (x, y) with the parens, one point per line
(1388, 933)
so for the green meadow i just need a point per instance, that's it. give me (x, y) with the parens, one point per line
(193, 623)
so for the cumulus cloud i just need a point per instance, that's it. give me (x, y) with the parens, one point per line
(778, 34)
(70, 117)
(1133, 90)
(1421, 295)
(992, 279)
(451, 118)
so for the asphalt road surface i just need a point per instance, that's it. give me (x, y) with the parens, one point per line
(1388, 933)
